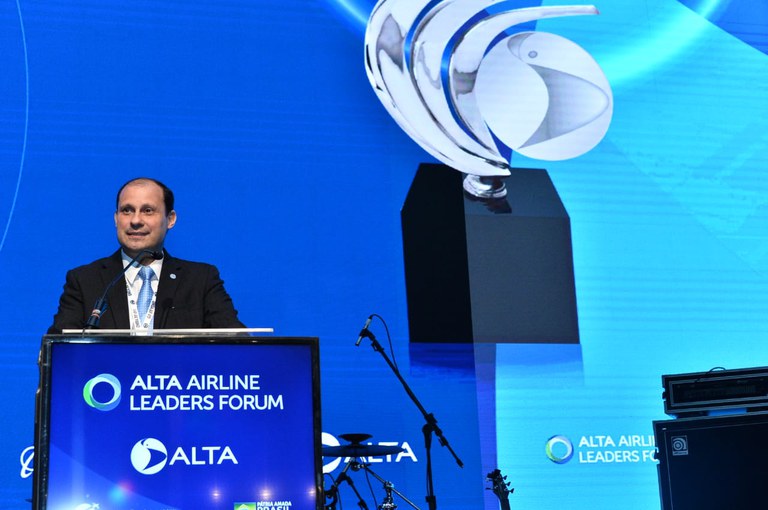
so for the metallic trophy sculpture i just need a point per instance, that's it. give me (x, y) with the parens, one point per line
(466, 91)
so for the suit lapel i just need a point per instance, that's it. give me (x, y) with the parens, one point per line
(117, 310)
(169, 282)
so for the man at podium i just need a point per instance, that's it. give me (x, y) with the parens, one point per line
(158, 291)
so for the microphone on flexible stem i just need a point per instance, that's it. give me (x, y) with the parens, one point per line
(364, 332)
(101, 304)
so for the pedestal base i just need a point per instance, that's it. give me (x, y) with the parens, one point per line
(499, 271)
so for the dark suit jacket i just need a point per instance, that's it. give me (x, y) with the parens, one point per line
(189, 295)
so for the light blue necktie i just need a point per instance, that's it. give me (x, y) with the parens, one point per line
(145, 294)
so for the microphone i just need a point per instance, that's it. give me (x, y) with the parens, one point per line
(101, 304)
(364, 331)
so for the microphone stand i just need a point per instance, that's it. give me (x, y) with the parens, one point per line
(429, 428)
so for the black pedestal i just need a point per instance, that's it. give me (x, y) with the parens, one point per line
(488, 272)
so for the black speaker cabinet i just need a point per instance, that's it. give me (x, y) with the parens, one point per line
(494, 271)
(713, 463)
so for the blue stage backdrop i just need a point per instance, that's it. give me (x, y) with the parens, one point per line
(290, 176)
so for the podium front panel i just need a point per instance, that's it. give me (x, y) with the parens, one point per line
(161, 423)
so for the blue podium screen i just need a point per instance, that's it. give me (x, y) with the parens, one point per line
(196, 424)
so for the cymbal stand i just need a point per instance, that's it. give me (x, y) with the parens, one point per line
(344, 477)
(388, 503)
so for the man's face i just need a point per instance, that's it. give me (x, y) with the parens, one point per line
(141, 219)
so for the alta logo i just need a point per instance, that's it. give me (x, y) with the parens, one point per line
(149, 456)
(334, 462)
(559, 449)
(101, 380)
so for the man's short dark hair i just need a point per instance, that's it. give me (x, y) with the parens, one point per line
(167, 193)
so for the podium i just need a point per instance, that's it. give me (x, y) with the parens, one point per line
(178, 420)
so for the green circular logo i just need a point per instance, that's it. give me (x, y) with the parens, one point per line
(559, 449)
(96, 404)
